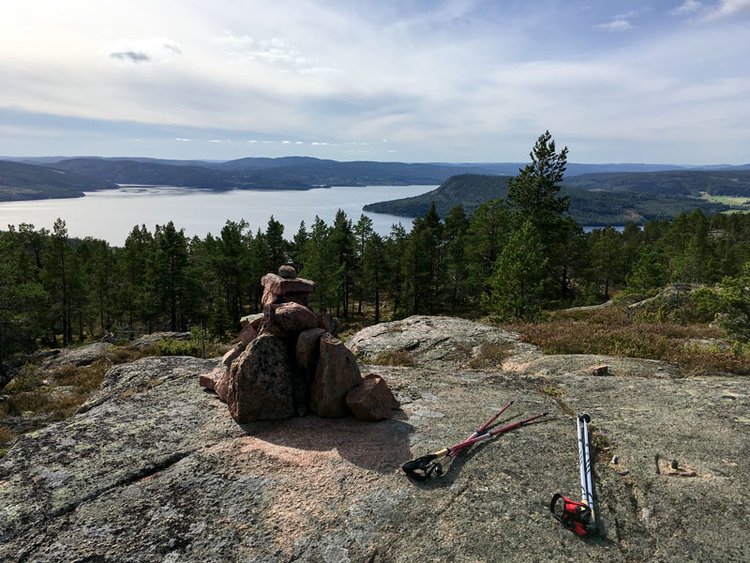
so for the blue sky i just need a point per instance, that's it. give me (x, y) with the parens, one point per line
(405, 80)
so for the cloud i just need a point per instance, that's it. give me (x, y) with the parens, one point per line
(687, 7)
(132, 56)
(273, 51)
(727, 9)
(182, 140)
(616, 25)
(146, 50)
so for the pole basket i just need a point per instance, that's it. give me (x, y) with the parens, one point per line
(574, 515)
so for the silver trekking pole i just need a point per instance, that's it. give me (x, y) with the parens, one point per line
(579, 516)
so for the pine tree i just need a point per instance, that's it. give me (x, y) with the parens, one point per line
(534, 195)
(456, 263)
(518, 280)
(362, 234)
(343, 241)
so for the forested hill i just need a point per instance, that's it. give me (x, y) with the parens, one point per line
(19, 181)
(69, 177)
(596, 199)
(35, 181)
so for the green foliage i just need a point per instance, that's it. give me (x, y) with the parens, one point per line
(170, 347)
(649, 272)
(731, 301)
(534, 193)
(518, 281)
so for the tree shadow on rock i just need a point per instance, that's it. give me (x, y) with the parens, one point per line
(381, 446)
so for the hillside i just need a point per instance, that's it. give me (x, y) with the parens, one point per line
(153, 468)
(596, 199)
(147, 173)
(20, 181)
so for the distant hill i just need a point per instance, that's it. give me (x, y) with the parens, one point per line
(735, 182)
(144, 172)
(614, 200)
(19, 181)
(261, 173)
(301, 173)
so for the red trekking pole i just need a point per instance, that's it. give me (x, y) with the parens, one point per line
(437, 463)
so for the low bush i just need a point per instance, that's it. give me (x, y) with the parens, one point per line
(611, 331)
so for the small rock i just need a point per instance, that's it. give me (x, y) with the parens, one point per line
(287, 272)
(371, 400)
(600, 371)
(615, 460)
(210, 379)
(234, 353)
(248, 334)
(674, 464)
(308, 348)
(280, 286)
(222, 385)
(289, 318)
(329, 323)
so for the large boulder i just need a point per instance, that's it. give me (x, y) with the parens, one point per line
(261, 382)
(337, 374)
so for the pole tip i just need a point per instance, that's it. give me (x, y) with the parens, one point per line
(585, 418)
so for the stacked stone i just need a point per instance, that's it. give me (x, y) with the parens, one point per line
(286, 287)
(289, 360)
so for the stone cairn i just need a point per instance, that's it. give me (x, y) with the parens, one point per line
(289, 361)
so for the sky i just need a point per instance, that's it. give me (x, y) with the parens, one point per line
(386, 80)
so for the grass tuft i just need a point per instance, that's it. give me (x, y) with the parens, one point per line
(491, 355)
(394, 358)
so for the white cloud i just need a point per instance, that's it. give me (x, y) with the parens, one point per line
(687, 7)
(727, 9)
(616, 25)
(182, 140)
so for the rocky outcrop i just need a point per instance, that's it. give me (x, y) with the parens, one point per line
(79, 355)
(153, 339)
(155, 469)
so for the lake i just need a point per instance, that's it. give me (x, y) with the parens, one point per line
(112, 214)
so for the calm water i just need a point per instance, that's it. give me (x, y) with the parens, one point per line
(111, 214)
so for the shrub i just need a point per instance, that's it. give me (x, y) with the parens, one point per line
(609, 331)
(170, 347)
(6, 435)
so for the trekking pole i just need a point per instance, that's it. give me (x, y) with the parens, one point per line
(580, 517)
(438, 463)
(584, 447)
